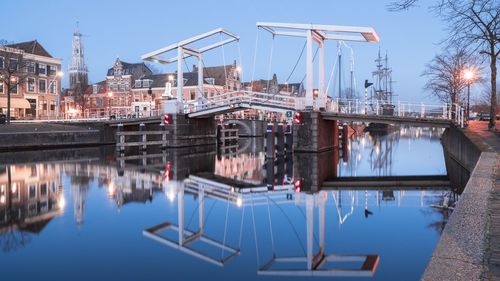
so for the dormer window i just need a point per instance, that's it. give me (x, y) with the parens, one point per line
(138, 84)
(146, 83)
(210, 81)
(118, 72)
(95, 88)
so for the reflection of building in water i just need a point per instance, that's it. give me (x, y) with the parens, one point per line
(30, 196)
(246, 167)
(132, 186)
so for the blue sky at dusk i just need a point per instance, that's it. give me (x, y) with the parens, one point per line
(129, 29)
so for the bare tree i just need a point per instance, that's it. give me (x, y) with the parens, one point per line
(473, 24)
(13, 73)
(445, 75)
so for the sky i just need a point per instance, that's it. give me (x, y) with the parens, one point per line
(129, 29)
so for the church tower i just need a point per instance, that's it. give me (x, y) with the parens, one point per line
(78, 73)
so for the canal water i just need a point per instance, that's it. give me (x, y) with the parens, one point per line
(89, 214)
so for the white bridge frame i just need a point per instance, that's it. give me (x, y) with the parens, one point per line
(319, 33)
(184, 50)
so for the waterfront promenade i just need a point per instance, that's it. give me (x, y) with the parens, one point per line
(469, 247)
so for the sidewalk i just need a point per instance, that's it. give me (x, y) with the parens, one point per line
(38, 127)
(491, 142)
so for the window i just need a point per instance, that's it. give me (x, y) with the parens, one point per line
(138, 83)
(1, 62)
(13, 65)
(52, 86)
(32, 191)
(52, 69)
(31, 67)
(192, 93)
(43, 189)
(42, 86)
(14, 89)
(95, 88)
(42, 69)
(52, 106)
(31, 85)
(1, 87)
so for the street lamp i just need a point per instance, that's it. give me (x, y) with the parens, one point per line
(469, 78)
(59, 74)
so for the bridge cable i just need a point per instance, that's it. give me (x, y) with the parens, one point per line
(270, 66)
(225, 233)
(254, 59)
(314, 58)
(240, 74)
(291, 224)
(241, 227)
(297, 62)
(271, 228)
(255, 234)
(224, 61)
(332, 74)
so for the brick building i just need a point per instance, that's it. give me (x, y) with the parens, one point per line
(39, 88)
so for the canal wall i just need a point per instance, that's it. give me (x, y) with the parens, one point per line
(41, 136)
(461, 251)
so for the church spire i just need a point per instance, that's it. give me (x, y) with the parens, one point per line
(78, 73)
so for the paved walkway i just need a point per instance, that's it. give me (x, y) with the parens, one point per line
(491, 142)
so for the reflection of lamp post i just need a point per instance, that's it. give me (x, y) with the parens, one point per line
(469, 77)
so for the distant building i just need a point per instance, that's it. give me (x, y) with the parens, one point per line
(38, 94)
(130, 88)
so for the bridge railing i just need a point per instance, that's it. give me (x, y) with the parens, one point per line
(237, 98)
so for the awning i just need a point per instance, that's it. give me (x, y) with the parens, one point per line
(15, 103)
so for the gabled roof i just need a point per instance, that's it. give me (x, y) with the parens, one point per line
(31, 47)
(216, 72)
(137, 70)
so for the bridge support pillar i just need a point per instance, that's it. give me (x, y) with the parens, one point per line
(315, 134)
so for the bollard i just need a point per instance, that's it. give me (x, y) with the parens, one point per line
(142, 128)
(270, 149)
(288, 139)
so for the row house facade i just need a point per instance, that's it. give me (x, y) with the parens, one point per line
(37, 93)
(132, 88)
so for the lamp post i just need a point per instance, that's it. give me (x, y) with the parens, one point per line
(59, 74)
(469, 77)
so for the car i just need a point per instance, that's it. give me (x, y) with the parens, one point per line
(3, 118)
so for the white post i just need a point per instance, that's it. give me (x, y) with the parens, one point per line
(180, 214)
(180, 76)
(399, 108)
(200, 79)
(444, 111)
(321, 78)
(201, 209)
(309, 71)
(309, 228)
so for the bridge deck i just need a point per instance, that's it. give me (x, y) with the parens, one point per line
(413, 121)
